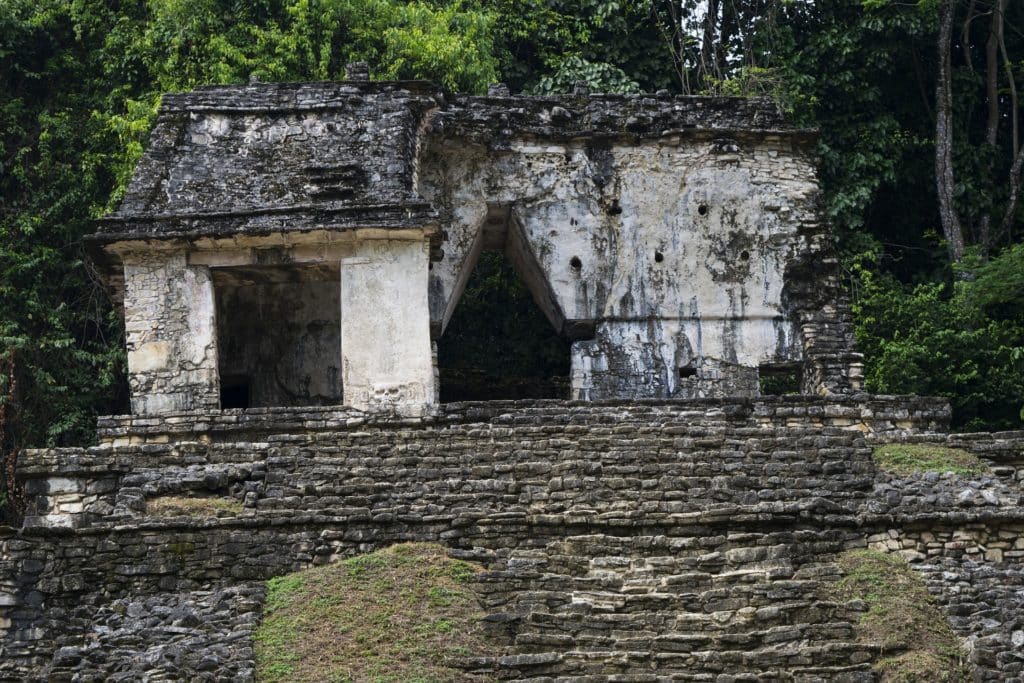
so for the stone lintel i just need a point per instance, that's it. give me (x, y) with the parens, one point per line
(398, 217)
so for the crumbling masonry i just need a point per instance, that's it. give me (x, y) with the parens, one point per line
(288, 256)
(307, 244)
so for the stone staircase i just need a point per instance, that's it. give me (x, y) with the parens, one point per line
(739, 606)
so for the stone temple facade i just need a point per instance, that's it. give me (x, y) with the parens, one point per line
(307, 244)
(288, 257)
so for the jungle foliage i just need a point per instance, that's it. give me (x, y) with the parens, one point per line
(917, 103)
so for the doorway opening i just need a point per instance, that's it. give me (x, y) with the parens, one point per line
(279, 335)
(499, 343)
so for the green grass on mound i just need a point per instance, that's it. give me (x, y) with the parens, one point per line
(193, 506)
(902, 459)
(917, 642)
(405, 613)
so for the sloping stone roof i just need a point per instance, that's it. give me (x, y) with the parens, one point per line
(278, 157)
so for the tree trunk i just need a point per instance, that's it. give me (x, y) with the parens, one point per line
(995, 38)
(951, 228)
(992, 75)
(1011, 207)
(1018, 162)
(1008, 66)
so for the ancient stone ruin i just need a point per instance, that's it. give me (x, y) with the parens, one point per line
(288, 257)
(286, 245)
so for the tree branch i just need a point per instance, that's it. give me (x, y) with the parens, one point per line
(965, 36)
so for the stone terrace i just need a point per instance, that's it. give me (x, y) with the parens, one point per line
(684, 540)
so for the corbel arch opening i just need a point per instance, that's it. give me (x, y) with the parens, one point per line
(502, 339)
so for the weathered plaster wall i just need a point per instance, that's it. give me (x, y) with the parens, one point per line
(170, 332)
(284, 338)
(669, 253)
(388, 359)
(675, 240)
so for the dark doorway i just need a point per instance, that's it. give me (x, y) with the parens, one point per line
(279, 335)
(499, 344)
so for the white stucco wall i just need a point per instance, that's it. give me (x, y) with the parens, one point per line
(682, 246)
(387, 360)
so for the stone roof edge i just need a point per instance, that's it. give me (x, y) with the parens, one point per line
(262, 221)
(259, 95)
(320, 95)
(804, 136)
(288, 96)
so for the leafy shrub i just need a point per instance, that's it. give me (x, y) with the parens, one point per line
(964, 341)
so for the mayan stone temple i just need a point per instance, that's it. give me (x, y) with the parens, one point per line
(288, 257)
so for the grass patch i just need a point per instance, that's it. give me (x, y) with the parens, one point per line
(405, 613)
(193, 506)
(917, 642)
(909, 458)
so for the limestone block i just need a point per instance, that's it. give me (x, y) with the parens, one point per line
(63, 485)
(150, 356)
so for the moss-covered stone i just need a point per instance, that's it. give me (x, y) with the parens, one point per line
(902, 619)
(904, 459)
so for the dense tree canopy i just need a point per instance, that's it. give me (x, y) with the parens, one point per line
(921, 149)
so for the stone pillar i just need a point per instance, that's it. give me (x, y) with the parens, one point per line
(387, 360)
(170, 329)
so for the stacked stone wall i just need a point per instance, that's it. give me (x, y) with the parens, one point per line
(965, 535)
(620, 539)
(170, 334)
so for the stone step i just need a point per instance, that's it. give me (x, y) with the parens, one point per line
(641, 580)
(694, 617)
(609, 595)
(835, 674)
(802, 612)
(668, 640)
(600, 607)
(808, 660)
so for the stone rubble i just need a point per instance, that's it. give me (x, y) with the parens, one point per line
(985, 605)
(196, 636)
